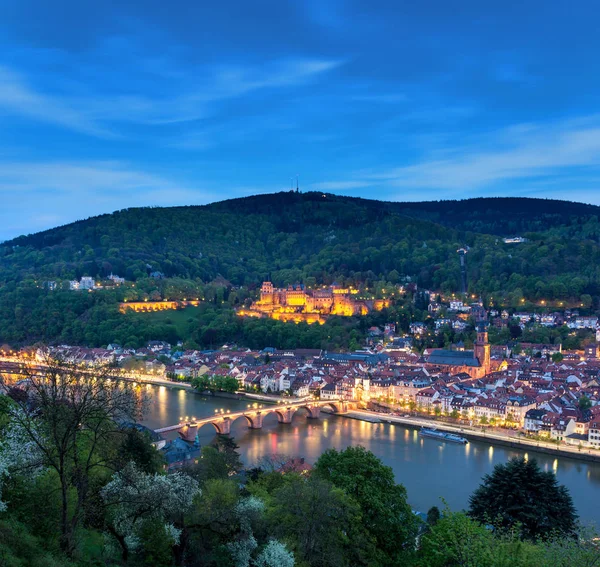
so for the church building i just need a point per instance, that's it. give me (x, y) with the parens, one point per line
(476, 363)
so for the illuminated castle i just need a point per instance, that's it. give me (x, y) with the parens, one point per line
(296, 303)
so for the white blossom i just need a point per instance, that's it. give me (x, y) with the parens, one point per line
(275, 554)
(241, 551)
(3, 474)
(137, 496)
(18, 452)
(172, 533)
(248, 510)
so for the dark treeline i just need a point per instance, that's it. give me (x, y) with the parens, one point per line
(30, 314)
(290, 237)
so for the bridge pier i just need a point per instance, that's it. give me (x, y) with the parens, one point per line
(314, 412)
(189, 432)
(285, 415)
(255, 421)
(224, 426)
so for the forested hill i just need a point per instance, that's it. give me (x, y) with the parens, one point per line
(492, 215)
(291, 236)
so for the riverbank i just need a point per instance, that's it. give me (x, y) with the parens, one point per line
(493, 438)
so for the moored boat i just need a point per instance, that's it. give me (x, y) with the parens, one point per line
(442, 435)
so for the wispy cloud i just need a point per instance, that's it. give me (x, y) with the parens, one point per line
(533, 152)
(17, 97)
(519, 158)
(182, 99)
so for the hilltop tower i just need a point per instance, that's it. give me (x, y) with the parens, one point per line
(482, 346)
(463, 269)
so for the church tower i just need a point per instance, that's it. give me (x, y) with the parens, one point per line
(482, 347)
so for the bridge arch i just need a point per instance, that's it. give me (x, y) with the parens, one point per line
(197, 427)
(282, 414)
(312, 411)
(253, 421)
(335, 406)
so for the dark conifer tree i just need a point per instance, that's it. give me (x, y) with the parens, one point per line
(520, 495)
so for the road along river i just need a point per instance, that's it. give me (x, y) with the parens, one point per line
(430, 469)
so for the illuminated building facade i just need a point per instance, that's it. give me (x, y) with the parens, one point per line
(296, 303)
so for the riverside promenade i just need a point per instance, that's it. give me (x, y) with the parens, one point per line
(493, 437)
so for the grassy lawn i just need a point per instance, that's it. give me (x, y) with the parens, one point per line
(179, 318)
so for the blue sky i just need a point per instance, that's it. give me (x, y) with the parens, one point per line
(107, 105)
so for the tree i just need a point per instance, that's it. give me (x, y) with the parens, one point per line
(568, 551)
(69, 417)
(274, 554)
(459, 541)
(219, 460)
(321, 523)
(217, 519)
(229, 384)
(456, 540)
(136, 498)
(557, 357)
(386, 513)
(519, 495)
(433, 516)
(135, 445)
(201, 383)
(584, 403)
(228, 449)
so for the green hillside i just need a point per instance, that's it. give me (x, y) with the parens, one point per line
(224, 250)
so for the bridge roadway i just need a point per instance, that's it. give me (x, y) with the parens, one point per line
(221, 422)
(254, 417)
(28, 368)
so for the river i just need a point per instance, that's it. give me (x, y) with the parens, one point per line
(429, 469)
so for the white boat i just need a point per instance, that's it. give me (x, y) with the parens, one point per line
(442, 435)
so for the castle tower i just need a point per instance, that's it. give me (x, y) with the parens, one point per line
(266, 292)
(482, 347)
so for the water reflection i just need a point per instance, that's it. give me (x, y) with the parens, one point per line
(427, 467)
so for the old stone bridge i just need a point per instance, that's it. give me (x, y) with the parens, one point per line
(254, 416)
